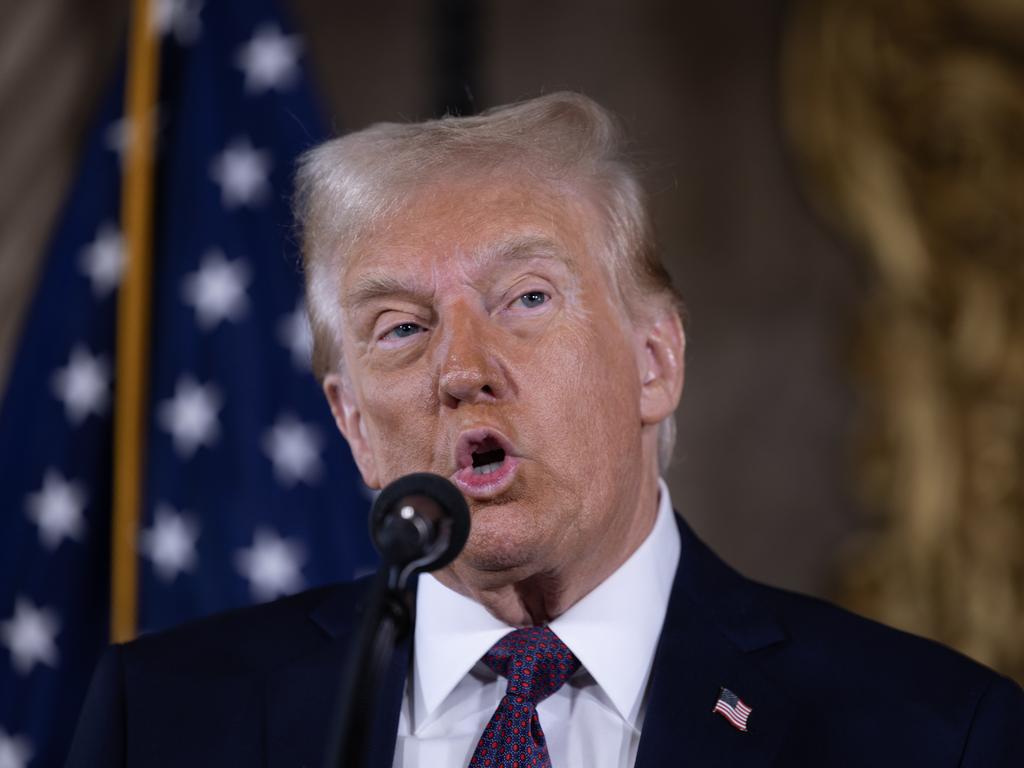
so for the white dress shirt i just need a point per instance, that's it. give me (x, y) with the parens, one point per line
(594, 719)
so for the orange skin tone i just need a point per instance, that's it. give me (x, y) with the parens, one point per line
(445, 331)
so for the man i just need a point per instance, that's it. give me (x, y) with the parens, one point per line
(487, 304)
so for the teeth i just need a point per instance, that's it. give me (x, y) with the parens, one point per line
(486, 469)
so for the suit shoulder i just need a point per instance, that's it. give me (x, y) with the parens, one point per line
(849, 676)
(831, 650)
(245, 639)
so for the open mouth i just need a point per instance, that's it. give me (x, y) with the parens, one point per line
(487, 457)
(485, 461)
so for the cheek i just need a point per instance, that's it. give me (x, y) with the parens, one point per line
(397, 412)
(590, 379)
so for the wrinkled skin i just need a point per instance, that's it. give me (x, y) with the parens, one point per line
(486, 303)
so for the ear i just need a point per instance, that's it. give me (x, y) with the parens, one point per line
(348, 418)
(662, 366)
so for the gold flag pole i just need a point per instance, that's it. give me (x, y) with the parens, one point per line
(133, 319)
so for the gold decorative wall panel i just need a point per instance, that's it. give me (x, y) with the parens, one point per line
(908, 121)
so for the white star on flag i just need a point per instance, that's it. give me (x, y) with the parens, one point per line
(190, 416)
(118, 136)
(30, 636)
(57, 509)
(170, 543)
(15, 751)
(272, 565)
(217, 289)
(179, 18)
(270, 60)
(294, 449)
(242, 171)
(102, 261)
(82, 386)
(294, 333)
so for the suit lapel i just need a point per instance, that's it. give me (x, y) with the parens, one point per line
(713, 627)
(389, 706)
(301, 695)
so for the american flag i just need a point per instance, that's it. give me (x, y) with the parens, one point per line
(248, 491)
(732, 708)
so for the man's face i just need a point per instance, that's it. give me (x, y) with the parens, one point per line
(483, 341)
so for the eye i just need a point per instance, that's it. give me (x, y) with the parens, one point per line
(403, 330)
(533, 299)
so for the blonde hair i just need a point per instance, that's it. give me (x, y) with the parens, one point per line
(347, 187)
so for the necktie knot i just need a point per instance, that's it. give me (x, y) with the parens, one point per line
(535, 662)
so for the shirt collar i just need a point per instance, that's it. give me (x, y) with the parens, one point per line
(614, 629)
(452, 633)
(612, 632)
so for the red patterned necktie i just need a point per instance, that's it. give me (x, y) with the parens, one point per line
(536, 664)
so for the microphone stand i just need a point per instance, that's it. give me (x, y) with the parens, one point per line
(387, 620)
(419, 522)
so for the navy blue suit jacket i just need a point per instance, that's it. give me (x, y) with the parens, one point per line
(256, 687)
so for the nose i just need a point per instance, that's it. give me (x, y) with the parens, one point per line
(469, 371)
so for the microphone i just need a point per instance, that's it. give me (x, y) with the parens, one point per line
(419, 522)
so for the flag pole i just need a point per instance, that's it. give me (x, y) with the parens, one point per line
(133, 321)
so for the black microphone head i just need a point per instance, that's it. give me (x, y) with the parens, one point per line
(419, 520)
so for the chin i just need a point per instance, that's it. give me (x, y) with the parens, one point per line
(498, 549)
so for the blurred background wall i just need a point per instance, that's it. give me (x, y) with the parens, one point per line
(792, 448)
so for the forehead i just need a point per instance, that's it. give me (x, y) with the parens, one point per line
(478, 222)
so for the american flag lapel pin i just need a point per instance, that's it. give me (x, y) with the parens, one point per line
(732, 708)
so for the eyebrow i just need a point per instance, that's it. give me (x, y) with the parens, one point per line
(375, 285)
(521, 248)
(380, 285)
